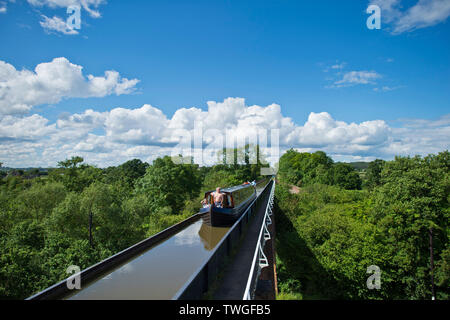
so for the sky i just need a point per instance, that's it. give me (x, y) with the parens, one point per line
(136, 78)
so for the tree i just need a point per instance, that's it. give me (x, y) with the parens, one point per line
(374, 173)
(219, 178)
(245, 163)
(124, 177)
(412, 212)
(305, 168)
(71, 163)
(100, 203)
(346, 177)
(69, 219)
(167, 184)
(112, 227)
(74, 175)
(38, 201)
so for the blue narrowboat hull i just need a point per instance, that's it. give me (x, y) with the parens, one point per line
(224, 217)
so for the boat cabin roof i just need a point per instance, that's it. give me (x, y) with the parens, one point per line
(232, 189)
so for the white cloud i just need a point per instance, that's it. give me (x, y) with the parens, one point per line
(146, 125)
(389, 9)
(53, 81)
(26, 128)
(424, 13)
(422, 123)
(322, 130)
(334, 67)
(89, 119)
(428, 138)
(341, 78)
(386, 88)
(338, 66)
(3, 7)
(88, 5)
(112, 137)
(56, 24)
(352, 78)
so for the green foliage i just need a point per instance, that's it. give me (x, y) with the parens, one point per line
(74, 175)
(19, 269)
(220, 178)
(71, 163)
(305, 168)
(373, 175)
(323, 244)
(328, 236)
(124, 177)
(39, 200)
(412, 201)
(344, 176)
(289, 296)
(443, 273)
(59, 253)
(167, 184)
(67, 218)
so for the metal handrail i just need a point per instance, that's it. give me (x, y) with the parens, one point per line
(259, 258)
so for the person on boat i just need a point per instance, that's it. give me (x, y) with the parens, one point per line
(218, 198)
(205, 203)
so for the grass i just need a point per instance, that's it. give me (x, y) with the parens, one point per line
(289, 296)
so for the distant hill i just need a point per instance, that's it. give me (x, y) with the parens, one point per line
(24, 169)
(25, 172)
(359, 165)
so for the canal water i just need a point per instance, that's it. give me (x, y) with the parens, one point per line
(159, 272)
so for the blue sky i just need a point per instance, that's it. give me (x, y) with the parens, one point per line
(305, 56)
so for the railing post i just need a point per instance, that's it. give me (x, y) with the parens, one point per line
(260, 260)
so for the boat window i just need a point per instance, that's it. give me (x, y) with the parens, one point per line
(237, 198)
(224, 202)
(241, 195)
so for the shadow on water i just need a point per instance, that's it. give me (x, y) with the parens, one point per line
(299, 270)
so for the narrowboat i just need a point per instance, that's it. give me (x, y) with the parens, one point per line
(236, 200)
